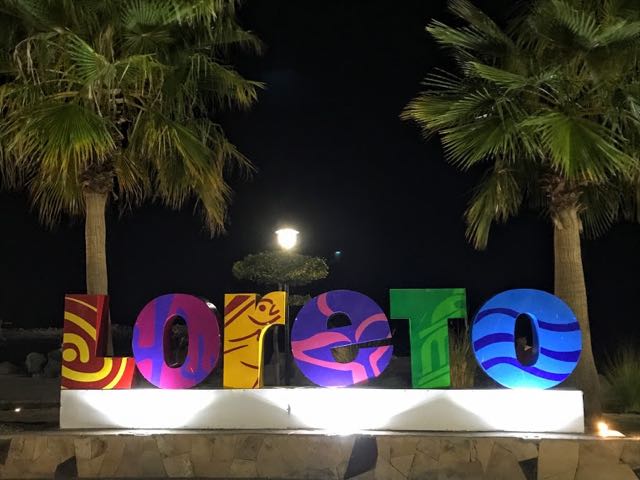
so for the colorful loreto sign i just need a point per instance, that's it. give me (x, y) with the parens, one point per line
(557, 339)
(312, 340)
(150, 337)
(557, 335)
(246, 320)
(85, 331)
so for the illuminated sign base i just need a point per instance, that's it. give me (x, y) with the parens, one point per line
(335, 410)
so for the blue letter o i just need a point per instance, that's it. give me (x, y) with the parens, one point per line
(559, 339)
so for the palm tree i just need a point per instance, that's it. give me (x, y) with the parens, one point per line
(549, 107)
(115, 100)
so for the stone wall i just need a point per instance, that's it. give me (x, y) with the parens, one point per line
(313, 456)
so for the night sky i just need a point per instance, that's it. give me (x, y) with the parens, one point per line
(334, 160)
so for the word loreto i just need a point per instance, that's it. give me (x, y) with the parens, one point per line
(247, 317)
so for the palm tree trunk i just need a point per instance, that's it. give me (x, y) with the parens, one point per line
(95, 242)
(570, 287)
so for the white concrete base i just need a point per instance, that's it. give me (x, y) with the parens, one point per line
(340, 410)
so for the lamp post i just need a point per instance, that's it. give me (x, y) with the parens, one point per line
(287, 239)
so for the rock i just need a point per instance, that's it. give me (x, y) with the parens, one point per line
(35, 362)
(52, 369)
(503, 465)
(248, 449)
(55, 355)
(401, 464)
(386, 470)
(423, 466)
(521, 449)
(610, 472)
(455, 450)
(482, 452)
(558, 459)
(599, 452)
(283, 453)
(243, 468)
(631, 455)
(179, 466)
(8, 368)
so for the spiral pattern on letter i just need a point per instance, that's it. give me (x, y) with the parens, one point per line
(83, 344)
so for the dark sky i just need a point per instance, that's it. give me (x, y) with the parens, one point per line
(335, 161)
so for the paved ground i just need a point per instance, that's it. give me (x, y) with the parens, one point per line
(23, 390)
(36, 399)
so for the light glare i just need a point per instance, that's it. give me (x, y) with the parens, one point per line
(605, 431)
(287, 238)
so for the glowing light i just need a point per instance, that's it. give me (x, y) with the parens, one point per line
(139, 408)
(605, 431)
(332, 410)
(287, 238)
(345, 411)
(17, 409)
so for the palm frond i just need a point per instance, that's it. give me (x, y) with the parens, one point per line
(61, 138)
(601, 207)
(615, 9)
(87, 65)
(435, 111)
(229, 34)
(558, 23)
(580, 22)
(498, 76)
(188, 162)
(464, 38)
(147, 26)
(618, 33)
(496, 199)
(553, 101)
(580, 149)
(132, 182)
(56, 194)
(120, 96)
(139, 14)
(203, 79)
(475, 17)
(201, 11)
(32, 13)
(481, 35)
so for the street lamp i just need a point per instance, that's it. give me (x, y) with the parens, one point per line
(287, 239)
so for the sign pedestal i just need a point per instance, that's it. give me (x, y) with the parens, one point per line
(333, 410)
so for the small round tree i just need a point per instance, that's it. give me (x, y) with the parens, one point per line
(282, 269)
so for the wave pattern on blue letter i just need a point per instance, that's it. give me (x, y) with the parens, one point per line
(559, 339)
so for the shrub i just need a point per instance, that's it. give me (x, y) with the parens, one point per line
(461, 359)
(623, 374)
